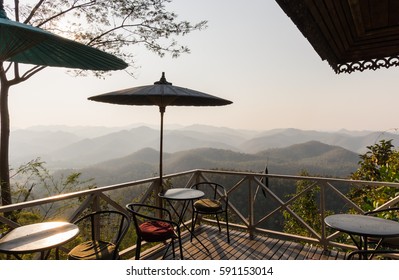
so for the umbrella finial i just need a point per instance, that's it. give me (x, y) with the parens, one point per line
(162, 81)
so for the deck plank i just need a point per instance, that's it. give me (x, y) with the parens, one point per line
(241, 247)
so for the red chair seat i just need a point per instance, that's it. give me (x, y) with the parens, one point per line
(154, 231)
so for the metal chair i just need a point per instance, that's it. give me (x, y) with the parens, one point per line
(152, 229)
(384, 254)
(215, 202)
(102, 232)
(387, 247)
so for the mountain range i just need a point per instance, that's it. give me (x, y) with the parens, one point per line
(314, 157)
(117, 155)
(83, 147)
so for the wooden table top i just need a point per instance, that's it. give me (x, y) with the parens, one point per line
(37, 237)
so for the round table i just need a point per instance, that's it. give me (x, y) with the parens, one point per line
(39, 237)
(182, 194)
(186, 195)
(367, 226)
(363, 226)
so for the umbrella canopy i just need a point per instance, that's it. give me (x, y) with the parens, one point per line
(31, 45)
(161, 94)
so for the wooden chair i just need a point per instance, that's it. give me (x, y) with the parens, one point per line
(102, 232)
(152, 229)
(215, 202)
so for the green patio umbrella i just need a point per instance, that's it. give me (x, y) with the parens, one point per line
(161, 94)
(23, 43)
(31, 45)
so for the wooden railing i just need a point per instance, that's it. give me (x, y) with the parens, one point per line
(255, 206)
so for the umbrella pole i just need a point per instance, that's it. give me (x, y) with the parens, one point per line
(160, 185)
(162, 111)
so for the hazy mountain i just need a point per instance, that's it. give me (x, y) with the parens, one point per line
(92, 150)
(77, 147)
(139, 165)
(26, 145)
(87, 131)
(356, 141)
(315, 157)
(225, 132)
(121, 143)
(80, 131)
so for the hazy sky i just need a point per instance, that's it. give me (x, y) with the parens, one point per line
(251, 53)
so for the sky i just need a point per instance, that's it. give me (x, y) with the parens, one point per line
(251, 53)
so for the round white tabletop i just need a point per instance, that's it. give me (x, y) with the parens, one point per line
(182, 194)
(37, 237)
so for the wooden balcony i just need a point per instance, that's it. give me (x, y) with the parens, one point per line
(241, 247)
(256, 210)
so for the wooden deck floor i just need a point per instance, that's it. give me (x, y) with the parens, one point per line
(242, 248)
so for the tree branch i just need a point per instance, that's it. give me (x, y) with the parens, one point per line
(73, 7)
(32, 72)
(34, 10)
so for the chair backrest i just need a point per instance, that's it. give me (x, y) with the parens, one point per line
(107, 226)
(212, 190)
(390, 214)
(143, 212)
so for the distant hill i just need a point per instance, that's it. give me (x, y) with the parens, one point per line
(79, 147)
(140, 165)
(113, 145)
(353, 141)
(26, 145)
(315, 157)
(88, 151)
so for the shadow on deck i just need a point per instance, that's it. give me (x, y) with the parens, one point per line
(241, 247)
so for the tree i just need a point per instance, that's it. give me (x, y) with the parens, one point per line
(305, 206)
(112, 26)
(379, 163)
(33, 180)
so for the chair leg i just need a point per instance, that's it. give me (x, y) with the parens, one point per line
(193, 222)
(181, 249)
(173, 248)
(217, 219)
(138, 248)
(227, 228)
(167, 249)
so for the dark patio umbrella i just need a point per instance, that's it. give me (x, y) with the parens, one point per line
(161, 94)
(26, 44)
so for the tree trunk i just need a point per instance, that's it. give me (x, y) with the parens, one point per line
(4, 144)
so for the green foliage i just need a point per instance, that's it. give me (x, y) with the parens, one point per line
(114, 26)
(305, 206)
(379, 163)
(33, 180)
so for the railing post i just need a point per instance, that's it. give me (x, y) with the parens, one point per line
(96, 207)
(251, 217)
(322, 215)
(158, 200)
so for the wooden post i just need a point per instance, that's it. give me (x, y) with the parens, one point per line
(251, 208)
